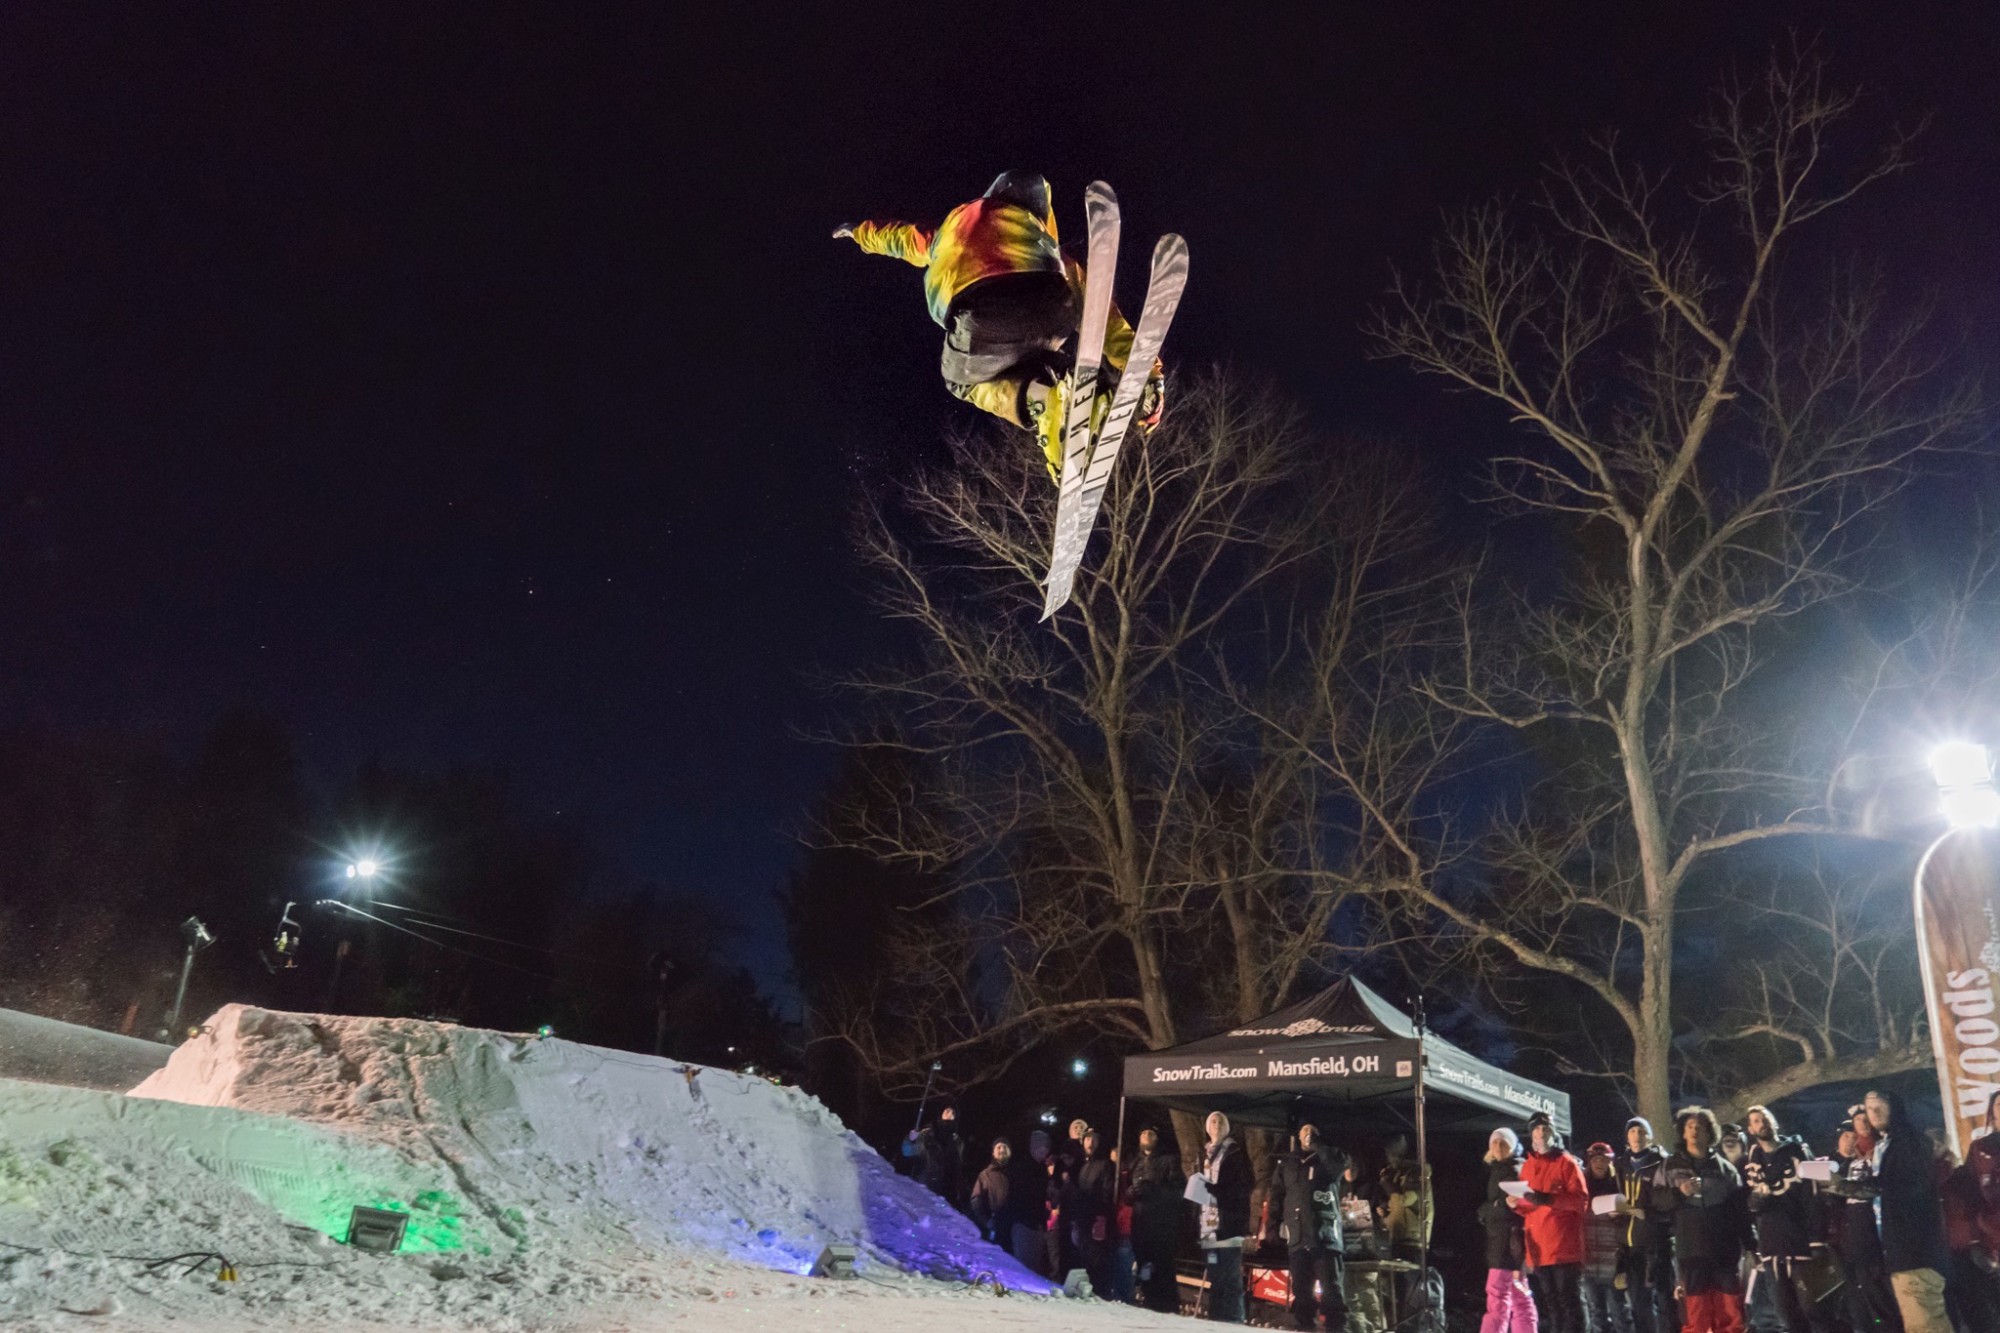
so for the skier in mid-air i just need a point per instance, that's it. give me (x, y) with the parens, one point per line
(1009, 300)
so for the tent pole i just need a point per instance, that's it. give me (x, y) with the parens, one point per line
(1118, 1150)
(1423, 1285)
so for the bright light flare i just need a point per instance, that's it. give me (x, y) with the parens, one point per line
(1961, 764)
(1079, 1067)
(1972, 807)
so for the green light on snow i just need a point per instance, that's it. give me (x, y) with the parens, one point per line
(434, 1226)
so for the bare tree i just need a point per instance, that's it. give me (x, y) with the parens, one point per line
(1133, 848)
(1826, 994)
(1712, 443)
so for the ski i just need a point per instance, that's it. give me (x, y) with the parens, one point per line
(1100, 208)
(1079, 506)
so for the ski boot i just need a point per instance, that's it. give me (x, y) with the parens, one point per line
(1048, 403)
(1048, 407)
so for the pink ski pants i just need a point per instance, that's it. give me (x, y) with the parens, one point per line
(1509, 1307)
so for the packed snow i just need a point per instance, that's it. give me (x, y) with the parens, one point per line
(547, 1185)
(48, 1051)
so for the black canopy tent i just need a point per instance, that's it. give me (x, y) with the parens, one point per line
(1346, 1046)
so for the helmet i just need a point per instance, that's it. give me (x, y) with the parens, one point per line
(1026, 190)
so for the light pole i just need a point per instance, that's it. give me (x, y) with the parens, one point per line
(361, 871)
(1957, 913)
(198, 938)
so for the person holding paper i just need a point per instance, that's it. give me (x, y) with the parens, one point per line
(1857, 1239)
(1649, 1243)
(1781, 1208)
(1509, 1307)
(1552, 1213)
(1702, 1194)
(1226, 1179)
(1607, 1308)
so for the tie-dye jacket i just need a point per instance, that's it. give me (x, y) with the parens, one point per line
(984, 239)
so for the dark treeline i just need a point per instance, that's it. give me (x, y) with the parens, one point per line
(479, 915)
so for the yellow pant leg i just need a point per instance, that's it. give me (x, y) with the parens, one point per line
(1000, 397)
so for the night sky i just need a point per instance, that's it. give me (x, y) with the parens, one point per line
(478, 384)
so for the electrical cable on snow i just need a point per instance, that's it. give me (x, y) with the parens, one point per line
(199, 1256)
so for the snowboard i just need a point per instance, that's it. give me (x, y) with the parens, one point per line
(1084, 478)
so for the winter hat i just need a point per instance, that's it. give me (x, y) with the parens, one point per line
(1598, 1150)
(1642, 1123)
(1542, 1118)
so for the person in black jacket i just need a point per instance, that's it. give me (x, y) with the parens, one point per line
(1510, 1307)
(1702, 1195)
(1781, 1210)
(1306, 1189)
(1649, 1237)
(1157, 1209)
(1063, 1169)
(1913, 1248)
(1225, 1219)
(1857, 1239)
(1089, 1211)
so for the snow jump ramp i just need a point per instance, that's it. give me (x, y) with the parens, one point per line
(525, 1141)
(545, 1171)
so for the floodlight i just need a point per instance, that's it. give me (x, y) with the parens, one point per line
(1961, 764)
(376, 1230)
(834, 1261)
(1079, 1067)
(366, 869)
(1972, 807)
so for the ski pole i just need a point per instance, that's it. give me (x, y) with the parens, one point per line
(921, 1101)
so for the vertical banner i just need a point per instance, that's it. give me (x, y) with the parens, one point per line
(1958, 946)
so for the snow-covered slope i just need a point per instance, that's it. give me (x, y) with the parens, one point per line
(48, 1051)
(542, 1179)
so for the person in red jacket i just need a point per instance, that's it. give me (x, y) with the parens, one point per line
(1552, 1212)
(1972, 1228)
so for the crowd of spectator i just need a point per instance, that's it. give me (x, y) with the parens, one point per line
(1068, 1207)
(1728, 1227)
(1720, 1229)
